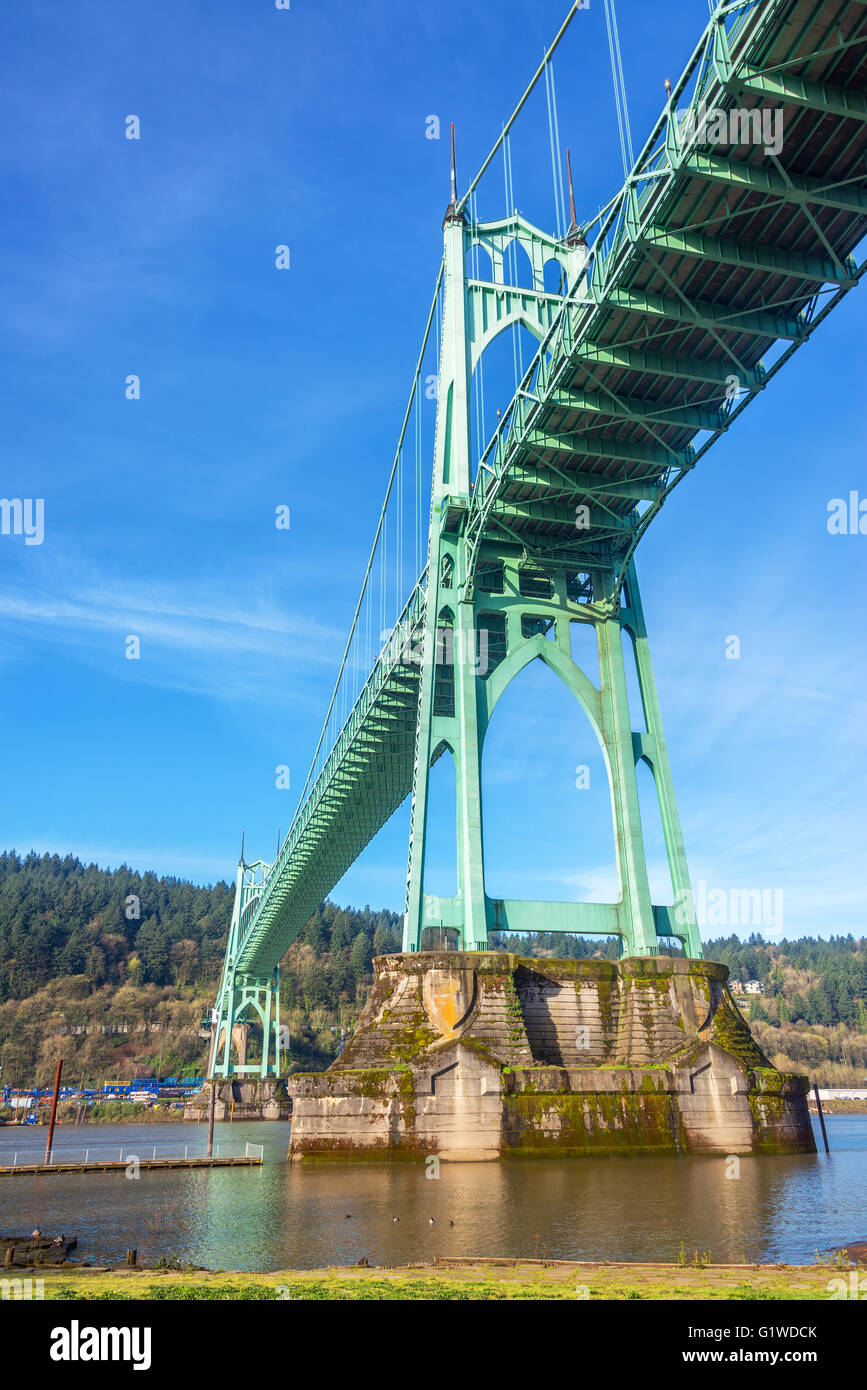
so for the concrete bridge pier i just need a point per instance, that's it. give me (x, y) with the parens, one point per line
(479, 1055)
(241, 1100)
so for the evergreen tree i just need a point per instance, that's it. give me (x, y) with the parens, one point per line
(341, 932)
(799, 1008)
(316, 987)
(383, 941)
(359, 957)
(819, 1007)
(313, 933)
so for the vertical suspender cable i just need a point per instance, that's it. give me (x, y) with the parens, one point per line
(626, 125)
(480, 371)
(474, 270)
(619, 88)
(381, 593)
(517, 350)
(418, 513)
(398, 597)
(554, 142)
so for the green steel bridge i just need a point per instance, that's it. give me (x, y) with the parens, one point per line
(717, 260)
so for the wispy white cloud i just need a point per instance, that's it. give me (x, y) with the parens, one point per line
(171, 625)
(210, 638)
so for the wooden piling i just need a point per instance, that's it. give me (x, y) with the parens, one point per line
(50, 1140)
(821, 1116)
(212, 1101)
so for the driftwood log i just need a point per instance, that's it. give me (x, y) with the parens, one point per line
(23, 1252)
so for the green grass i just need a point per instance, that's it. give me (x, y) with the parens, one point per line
(485, 1280)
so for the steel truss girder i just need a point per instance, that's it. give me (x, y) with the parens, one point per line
(764, 178)
(587, 484)
(746, 256)
(633, 409)
(653, 363)
(585, 445)
(799, 91)
(540, 509)
(716, 318)
(365, 778)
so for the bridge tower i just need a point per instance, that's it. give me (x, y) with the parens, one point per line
(245, 998)
(501, 599)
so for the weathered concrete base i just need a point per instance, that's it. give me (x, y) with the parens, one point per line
(481, 1055)
(253, 1100)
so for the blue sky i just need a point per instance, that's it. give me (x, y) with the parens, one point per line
(260, 387)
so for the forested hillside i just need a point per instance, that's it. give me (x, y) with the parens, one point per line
(115, 970)
(59, 917)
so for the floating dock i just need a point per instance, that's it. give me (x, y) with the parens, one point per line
(251, 1158)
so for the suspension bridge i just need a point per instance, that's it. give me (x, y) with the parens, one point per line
(658, 322)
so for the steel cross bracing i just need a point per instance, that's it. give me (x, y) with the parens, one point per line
(711, 257)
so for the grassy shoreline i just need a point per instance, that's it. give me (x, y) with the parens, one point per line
(458, 1280)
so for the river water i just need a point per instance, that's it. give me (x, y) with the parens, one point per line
(294, 1216)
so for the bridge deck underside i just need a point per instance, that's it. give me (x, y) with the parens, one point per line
(372, 776)
(724, 253)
